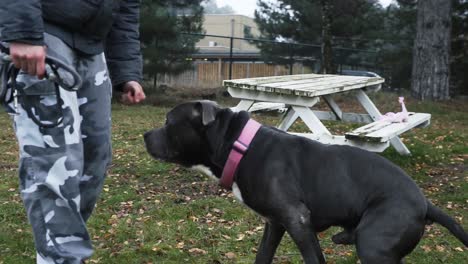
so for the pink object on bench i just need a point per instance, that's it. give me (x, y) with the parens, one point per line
(399, 117)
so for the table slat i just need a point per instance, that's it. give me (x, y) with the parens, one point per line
(308, 85)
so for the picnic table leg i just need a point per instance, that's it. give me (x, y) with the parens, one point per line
(375, 114)
(399, 146)
(244, 105)
(311, 120)
(333, 106)
(291, 115)
(288, 119)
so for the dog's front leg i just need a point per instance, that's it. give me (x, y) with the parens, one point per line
(270, 241)
(300, 228)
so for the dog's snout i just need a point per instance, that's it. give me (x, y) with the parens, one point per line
(147, 134)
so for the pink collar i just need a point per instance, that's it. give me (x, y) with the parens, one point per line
(239, 148)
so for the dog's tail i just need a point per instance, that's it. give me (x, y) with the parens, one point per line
(437, 215)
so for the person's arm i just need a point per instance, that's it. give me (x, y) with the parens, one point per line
(123, 52)
(21, 25)
(21, 21)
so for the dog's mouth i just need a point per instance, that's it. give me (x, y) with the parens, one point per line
(158, 151)
(160, 155)
(165, 158)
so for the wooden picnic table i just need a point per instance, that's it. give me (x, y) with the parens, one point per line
(299, 93)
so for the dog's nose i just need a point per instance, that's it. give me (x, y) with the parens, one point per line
(146, 135)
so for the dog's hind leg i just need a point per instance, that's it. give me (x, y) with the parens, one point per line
(385, 235)
(270, 241)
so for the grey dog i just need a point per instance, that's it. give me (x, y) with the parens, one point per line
(304, 187)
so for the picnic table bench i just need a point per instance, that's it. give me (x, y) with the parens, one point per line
(296, 94)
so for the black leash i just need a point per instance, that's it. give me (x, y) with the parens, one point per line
(10, 90)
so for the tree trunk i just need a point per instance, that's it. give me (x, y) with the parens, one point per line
(431, 52)
(327, 53)
(155, 81)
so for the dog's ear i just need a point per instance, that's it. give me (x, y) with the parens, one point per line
(207, 110)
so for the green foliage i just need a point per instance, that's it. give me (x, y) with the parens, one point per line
(357, 26)
(459, 62)
(294, 21)
(165, 49)
(396, 49)
(280, 21)
(400, 29)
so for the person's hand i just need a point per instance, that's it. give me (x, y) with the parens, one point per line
(29, 58)
(133, 93)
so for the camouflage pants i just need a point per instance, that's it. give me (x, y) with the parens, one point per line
(62, 169)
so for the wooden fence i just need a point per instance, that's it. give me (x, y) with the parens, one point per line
(211, 74)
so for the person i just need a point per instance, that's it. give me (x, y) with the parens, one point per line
(62, 167)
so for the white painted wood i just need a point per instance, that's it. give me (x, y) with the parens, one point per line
(264, 106)
(317, 83)
(270, 97)
(300, 92)
(399, 146)
(244, 105)
(324, 81)
(288, 119)
(308, 85)
(384, 131)
(262, 80)
(341, 140)
(366, 102)
(311, 121)
(368, 105)
(333, 106)
(346, 117)
(317, 91)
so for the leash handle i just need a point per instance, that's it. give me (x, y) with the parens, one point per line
(48, 75)
(8, 74)
(54, 76)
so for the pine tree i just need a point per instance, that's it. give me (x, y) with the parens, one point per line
(459, 52)
(397, 42)
(301, 21)
(165, 49)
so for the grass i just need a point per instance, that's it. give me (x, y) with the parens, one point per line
(152, 212)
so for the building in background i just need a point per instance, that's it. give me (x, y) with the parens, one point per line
(212, 63)
(229, 26)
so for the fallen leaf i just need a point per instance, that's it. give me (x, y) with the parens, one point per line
(459, 249)
(426, 248)
(197, 251)
(180, 245)
(230, 255)
(440, 248)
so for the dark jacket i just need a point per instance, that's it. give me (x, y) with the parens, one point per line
(89, 26)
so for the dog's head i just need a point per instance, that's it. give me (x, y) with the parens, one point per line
(183, 140)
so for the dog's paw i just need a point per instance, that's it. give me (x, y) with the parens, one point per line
(343, 238)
